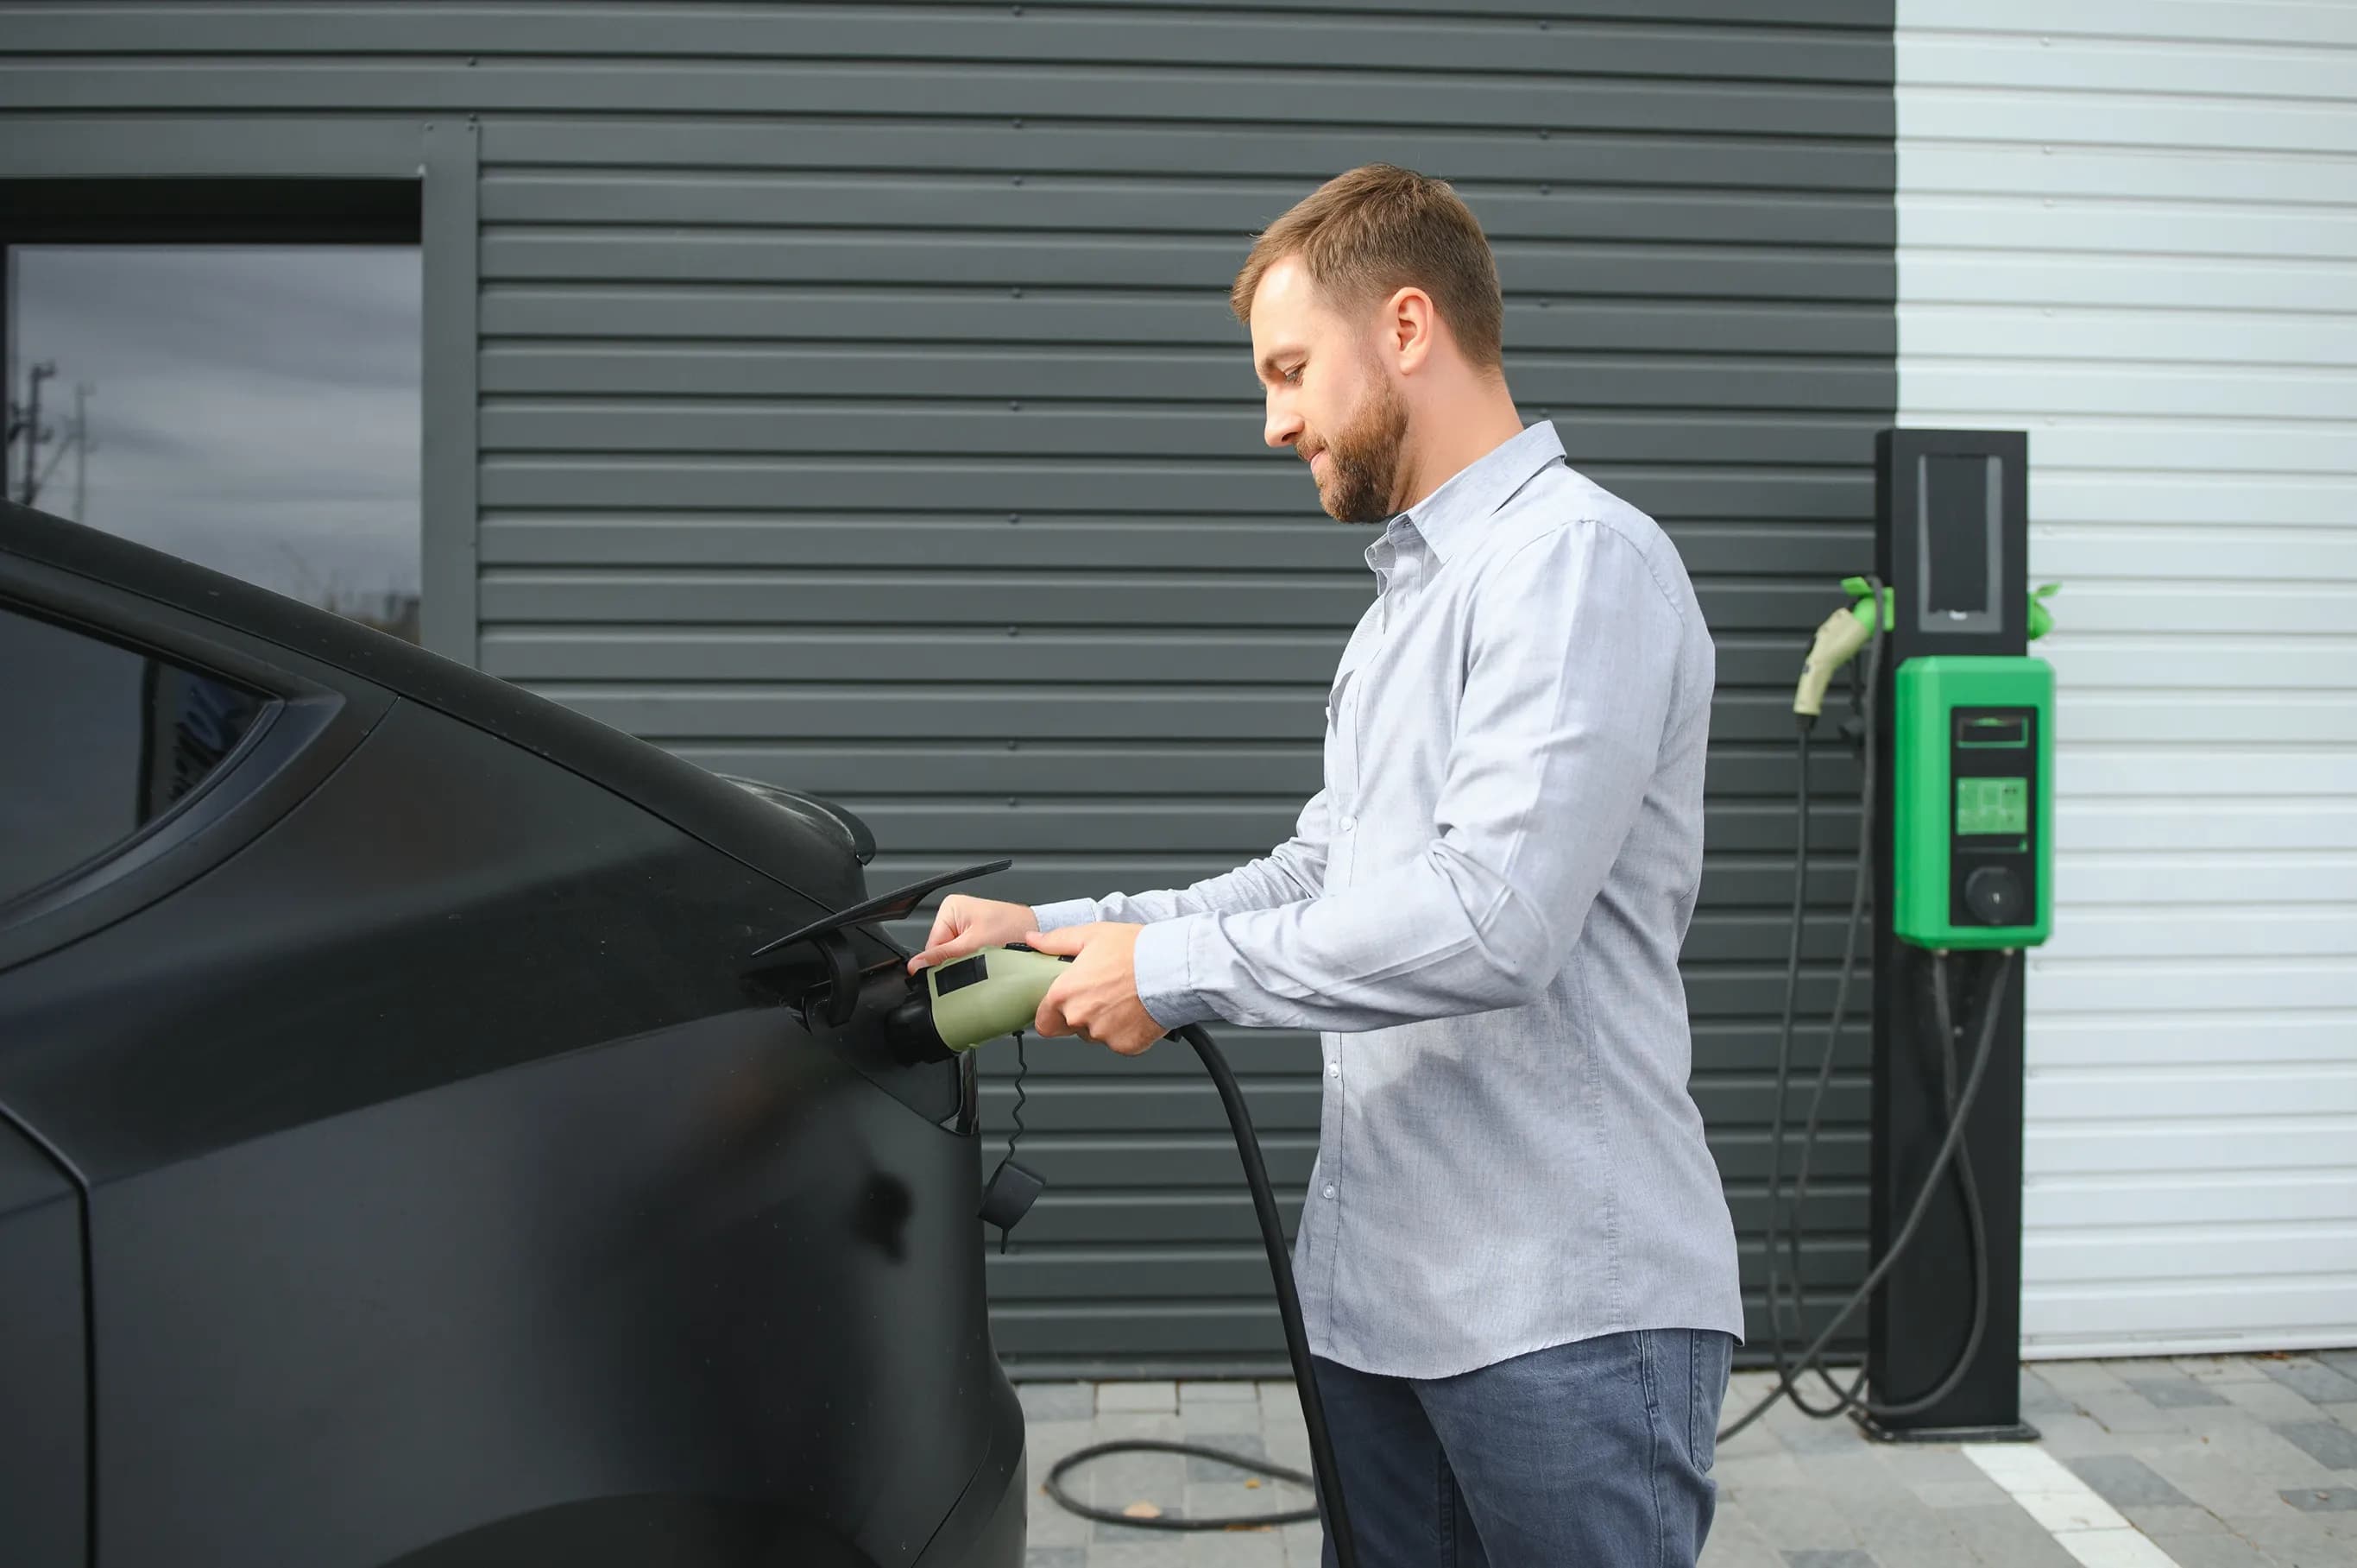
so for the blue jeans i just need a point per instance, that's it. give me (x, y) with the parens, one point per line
(1591, 1454)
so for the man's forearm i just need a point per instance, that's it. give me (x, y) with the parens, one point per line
(1293, 871)
(1263, 884)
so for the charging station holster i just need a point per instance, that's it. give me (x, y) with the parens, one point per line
(1012, 1190)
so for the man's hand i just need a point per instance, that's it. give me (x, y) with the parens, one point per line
(966, 924)
(1097, 995)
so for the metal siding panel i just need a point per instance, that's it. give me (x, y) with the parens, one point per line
(1814, 493)
(528, 373)
(759, 293)
(1980, 58)
(2127, 230)
(1936, 334)
(949, 315)
(1570, 267)
(2194, 1201)
(2194, 495)
(847, 426)
(2135, 826)
(145, 147)
(2211, 881)
(2159, 1038)
(1109, 91)
(2000, 111)
(1555, 46)
(1084, 205)
(2131, 22)
(1168, 540)
(1651, 162)
(2037, 276)
(1963, 222)
(449, 456)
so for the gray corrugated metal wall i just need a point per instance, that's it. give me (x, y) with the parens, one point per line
(860, 410)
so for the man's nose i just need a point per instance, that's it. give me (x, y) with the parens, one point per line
(1282, 429)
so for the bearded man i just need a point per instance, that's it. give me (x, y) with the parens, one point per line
(1515, 1260)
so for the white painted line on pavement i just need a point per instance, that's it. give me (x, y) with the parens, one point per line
(2088, 1528)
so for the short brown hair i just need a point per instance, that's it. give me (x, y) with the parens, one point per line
(1363, 235)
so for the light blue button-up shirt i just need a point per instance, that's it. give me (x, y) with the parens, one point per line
(1482, 912)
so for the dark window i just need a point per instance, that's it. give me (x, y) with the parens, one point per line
(96, 742)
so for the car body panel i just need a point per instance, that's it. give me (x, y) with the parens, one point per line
(44, 1441)
(453, 1194)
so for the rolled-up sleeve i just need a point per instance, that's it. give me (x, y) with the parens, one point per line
(1571, 657)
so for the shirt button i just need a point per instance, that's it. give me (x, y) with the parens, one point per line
(1333, 1070)
(1350, 822)
(1329, 1190)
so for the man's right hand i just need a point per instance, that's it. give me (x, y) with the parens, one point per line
(966, 924)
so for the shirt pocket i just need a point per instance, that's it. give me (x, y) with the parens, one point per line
(1334, 697)
(1340, 752)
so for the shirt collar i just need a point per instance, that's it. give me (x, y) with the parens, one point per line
(1472, 494)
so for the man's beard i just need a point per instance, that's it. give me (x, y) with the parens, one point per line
(1363, 462)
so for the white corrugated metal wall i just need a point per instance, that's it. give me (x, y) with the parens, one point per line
(2131, 234)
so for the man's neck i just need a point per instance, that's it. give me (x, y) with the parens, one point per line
(1474, 428)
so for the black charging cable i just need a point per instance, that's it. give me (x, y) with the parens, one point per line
(1327, 1480)
(1991, 1006)
(1865, 704)
(1022, 1070)
(1956, 1104)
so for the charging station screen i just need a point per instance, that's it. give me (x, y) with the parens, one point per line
(1992, 806)
(1960, 521)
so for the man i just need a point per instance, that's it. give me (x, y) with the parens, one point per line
(1516, 1263)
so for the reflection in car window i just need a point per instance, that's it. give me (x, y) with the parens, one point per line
(96, 741)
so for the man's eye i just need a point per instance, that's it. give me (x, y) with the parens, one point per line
(1293, 376)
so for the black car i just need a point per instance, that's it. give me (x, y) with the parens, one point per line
(402, 1159)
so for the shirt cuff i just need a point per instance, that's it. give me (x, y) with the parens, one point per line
(1066, 912)
(1165, 973)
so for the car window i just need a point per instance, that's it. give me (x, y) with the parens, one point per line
(96, 742)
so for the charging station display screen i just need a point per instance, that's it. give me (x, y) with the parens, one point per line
(1992, 806)
(1959, 523)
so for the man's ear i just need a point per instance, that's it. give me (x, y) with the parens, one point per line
(1411, 327)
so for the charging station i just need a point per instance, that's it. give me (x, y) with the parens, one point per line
(1954, 723)
(1962, 825)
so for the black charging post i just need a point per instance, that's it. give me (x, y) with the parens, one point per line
(1952, 543)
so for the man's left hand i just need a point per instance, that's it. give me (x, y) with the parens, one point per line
(1097, 994)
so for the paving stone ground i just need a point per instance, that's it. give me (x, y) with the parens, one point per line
(2222, 1461)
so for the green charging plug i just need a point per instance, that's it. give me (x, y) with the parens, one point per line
(1844, 632)
(953, 1007)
